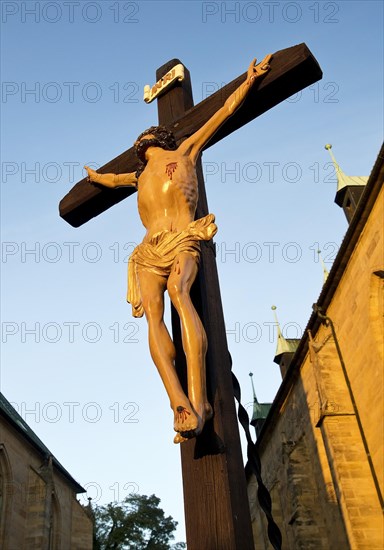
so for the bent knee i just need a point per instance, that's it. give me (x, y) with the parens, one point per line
(178, 291)
(153, 306)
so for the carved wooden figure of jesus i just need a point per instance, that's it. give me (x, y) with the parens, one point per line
(168, 257)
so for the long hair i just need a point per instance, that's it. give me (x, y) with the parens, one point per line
(163, 138)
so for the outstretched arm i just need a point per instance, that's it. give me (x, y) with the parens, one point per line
(194, 144)
(112, 180)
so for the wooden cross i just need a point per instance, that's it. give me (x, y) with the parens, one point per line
(215, 495)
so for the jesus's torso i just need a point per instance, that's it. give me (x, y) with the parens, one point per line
(167, 192)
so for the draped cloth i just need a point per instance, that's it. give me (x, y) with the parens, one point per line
(159, 254)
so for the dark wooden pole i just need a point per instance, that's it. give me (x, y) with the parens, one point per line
(215, 496)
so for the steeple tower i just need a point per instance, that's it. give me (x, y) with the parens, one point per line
(285, 348)
(349, 188)
(260, 410)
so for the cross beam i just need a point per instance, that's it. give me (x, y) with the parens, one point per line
(292, 69)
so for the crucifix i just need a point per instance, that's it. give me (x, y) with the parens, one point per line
(217, 515)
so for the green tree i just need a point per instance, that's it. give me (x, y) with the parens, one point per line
(136, 523)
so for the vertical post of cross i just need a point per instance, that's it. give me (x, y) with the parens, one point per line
(215, 496)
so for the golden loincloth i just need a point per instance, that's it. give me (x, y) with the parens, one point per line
(158, 254)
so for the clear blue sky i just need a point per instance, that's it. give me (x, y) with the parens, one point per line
(72, 80)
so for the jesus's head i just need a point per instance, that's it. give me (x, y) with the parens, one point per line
(155, 136)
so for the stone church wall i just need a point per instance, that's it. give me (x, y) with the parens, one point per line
(321, 449)
(38, 505)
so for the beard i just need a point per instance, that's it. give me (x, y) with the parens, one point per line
(142, 147)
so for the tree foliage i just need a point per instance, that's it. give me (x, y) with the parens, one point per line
(136, 523)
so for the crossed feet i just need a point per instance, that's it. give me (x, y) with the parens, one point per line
(189, 421)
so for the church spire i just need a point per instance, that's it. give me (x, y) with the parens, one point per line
(256, 405)
(285, 348)
(260, 410)
(349, 188)
(253, 388)
(325, 270)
